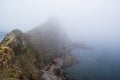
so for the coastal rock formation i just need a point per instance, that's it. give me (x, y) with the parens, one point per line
(24, 55)
(53, 71)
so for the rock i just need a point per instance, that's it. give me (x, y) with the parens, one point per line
(54, 72)
(23, 55)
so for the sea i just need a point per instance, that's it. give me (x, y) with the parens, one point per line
(2, 35)
(100, 63)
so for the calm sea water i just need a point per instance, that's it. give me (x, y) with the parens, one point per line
(101, 63)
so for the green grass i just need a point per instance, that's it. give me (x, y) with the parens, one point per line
(11, 75)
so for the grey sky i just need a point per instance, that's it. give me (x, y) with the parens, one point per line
(97, 20)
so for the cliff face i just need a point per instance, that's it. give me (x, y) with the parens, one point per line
(23, 55)
(50, 41)
(16, 60)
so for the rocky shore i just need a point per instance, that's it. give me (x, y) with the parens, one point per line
(54, 71)
(39, 54)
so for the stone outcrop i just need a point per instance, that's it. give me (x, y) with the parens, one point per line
(23, 55)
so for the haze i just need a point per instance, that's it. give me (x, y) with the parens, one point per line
(95, 23)
(85, 20)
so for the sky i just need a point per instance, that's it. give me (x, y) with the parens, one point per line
(85, 20)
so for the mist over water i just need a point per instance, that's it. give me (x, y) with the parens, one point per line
(99, 63)
(2, 35)
(91, 22)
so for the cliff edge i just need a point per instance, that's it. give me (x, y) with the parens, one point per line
(24, 55)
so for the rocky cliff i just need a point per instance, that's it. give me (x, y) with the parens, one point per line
(23, 55)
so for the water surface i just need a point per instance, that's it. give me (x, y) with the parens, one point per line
(101, 63)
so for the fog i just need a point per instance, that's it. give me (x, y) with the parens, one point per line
(85, 20)
(93, 22)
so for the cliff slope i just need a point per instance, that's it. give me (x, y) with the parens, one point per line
(23, 55)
